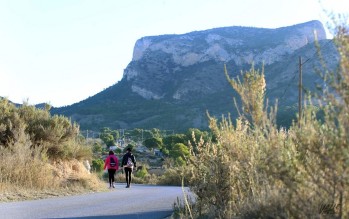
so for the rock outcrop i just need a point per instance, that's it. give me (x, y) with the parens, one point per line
(173, 80)
(169, 55)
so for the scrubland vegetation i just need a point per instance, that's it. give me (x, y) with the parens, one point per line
(162, 168)
(243, 168)
(253, 169)
(41, 154)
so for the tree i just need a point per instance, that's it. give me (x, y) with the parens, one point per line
(115, 134)
(156, 133)
(136, 134)
(171, 140)
(179, 151)
(108, 139)
(152, 143)
(165, 151)
(179, 154)
(109, 136)
(147, 134)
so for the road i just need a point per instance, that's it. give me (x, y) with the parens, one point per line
(139, 201)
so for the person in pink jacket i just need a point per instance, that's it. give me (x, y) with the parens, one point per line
(112, 164)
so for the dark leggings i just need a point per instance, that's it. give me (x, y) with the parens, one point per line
(128, 174)
(111, 176)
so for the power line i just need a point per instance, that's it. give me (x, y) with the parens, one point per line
(330, 41)
(300, 85)
(288, 85)
(295, 73)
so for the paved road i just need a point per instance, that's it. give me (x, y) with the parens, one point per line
(139, 201)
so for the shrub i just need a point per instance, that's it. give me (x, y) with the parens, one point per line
(97, 165)
(56, 135)
(174, 176)
(27, 167)
(35, 143)
(254, 170)
(141, 173)
(97, 148)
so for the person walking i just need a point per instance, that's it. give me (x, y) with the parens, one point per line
(112, 164)
(128, 162)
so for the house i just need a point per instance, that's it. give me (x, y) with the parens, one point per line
(158, 153)
(113, 147)
(141, 148)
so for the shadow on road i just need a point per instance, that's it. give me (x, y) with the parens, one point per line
(137, 215)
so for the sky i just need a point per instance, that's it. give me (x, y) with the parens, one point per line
(64, 51)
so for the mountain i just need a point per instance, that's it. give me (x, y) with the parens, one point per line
(173, 80)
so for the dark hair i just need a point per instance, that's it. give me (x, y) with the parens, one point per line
(129, 149)
(111, 152)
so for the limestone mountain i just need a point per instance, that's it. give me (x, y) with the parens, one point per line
(172, 80)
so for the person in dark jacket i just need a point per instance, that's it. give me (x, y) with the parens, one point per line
(112, 164)
(128, 162)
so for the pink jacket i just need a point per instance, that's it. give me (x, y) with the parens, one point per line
(107, 163)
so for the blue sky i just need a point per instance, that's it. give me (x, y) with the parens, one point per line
(63, 51)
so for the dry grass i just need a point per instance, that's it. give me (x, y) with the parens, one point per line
(40, 155)
(15, 193)
(25, 175)
(253, 169)
(72, 186)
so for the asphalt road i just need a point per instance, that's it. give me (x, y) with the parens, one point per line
(139, 201)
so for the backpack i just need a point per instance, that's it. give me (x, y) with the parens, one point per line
(129, 162)
(112, 162)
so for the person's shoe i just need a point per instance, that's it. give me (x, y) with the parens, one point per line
(127, 186)
(113, 186)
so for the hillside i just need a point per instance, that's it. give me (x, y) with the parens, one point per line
(172, 80)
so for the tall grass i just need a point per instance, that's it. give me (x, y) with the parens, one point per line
(253, 169)
(22, 166)
(41, 152)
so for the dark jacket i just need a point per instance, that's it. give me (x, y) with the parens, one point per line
(125, 159)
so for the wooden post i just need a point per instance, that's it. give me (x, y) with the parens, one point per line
(300, 92)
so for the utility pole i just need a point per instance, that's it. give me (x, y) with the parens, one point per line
(300, 92)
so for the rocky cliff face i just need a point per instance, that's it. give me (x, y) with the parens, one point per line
(173, 80)
(164, 58)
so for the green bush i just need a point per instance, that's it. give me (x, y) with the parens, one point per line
(38, 142)
(141, 173)
(97, 148)
(118, 151)
(174, 177)
(56, 135)
(97, 165)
